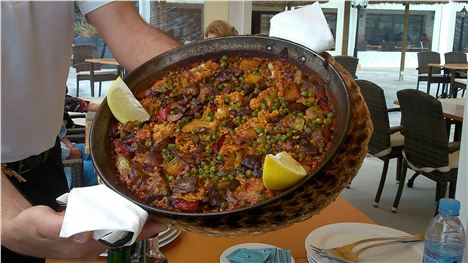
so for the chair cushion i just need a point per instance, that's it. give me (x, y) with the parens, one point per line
(453, 164)
(397, 139)
(98, 72)
(461, 81)
(432, 76)
(453, 159)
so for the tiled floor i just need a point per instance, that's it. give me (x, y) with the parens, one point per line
(417, 204)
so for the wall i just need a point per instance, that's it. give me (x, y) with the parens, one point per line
(215, 10)
(462, 180)
(240, 16)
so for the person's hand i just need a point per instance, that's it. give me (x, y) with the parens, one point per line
(75, 152)
(93, 107)
(151, 228)
(35, 231)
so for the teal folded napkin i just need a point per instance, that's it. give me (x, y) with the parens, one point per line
(263, 255)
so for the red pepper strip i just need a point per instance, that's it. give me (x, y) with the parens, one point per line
(184, 205)
(163, 113)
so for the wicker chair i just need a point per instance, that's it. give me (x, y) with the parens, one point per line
(349, 63)
(76, 165)
(459, 79)
(386, 142)
(425, 58)
(83, 68)
(427, 150)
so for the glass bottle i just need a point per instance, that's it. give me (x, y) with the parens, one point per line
(119, 255)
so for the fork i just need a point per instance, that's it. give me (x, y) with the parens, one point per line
(345, 253)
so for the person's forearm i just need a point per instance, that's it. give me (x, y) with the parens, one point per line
(130, 39)
(13, 203)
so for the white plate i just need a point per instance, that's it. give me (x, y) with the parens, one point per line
(168, 236)
(169, 239)
(223, 257)
(343, 233)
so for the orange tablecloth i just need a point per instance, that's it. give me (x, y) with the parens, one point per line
(193, 247)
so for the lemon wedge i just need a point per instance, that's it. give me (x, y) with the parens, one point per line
(123, 103)
(281, 171)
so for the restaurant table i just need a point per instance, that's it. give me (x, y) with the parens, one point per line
(449, 69)
(193, 247)
(106, 61)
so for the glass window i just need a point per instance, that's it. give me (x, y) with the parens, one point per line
(382, 30)
(460, 41)
(183, 21)
(261, 21)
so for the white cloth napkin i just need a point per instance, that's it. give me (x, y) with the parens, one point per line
(306, 26)
(99, 209)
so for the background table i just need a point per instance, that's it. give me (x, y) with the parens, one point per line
(197, 248)
(106, 61)
(449, 70)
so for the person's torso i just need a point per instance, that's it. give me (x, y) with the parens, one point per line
(36, 53)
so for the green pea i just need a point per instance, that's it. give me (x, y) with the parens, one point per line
(241, 79)
(148, 143)
(171, 146)
(170, 178)
(213, 169)
(259, 130)
(194, 170)
(330, 115)
(268, 147)
(224, 123)
(304, 94)
(209, 118)
(254, 144)
(309, 104)
(208, 138)
(227, 100)
(300, 156)
(214, 136)
(255, 113)
(248, 173)
(219, 158)
(196, 139)
(284, 137)
(208, 150)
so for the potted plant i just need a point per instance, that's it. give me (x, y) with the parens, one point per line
(84, 33)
